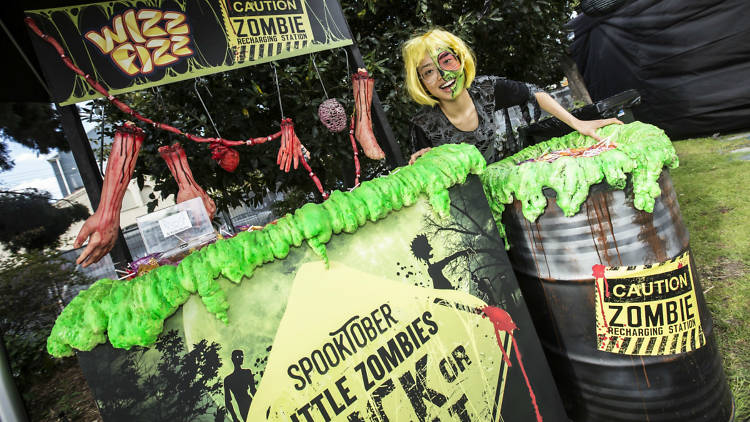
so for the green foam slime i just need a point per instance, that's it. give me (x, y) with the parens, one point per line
(642, 151)
(133, 312)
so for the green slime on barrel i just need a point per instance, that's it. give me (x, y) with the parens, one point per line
(642, 151)
(132, 313)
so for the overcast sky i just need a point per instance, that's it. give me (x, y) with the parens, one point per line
(31, 171)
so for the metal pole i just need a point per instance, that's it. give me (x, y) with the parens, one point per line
(11, 404)
(89, 170)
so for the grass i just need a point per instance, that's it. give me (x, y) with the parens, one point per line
(712, 184)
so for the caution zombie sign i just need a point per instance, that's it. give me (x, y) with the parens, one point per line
(265, 27)
(648, 309)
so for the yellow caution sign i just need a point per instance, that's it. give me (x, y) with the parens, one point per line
(258, 29)
(648, 309)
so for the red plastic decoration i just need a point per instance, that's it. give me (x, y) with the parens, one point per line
(227, 157)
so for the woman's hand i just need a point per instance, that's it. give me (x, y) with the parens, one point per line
(418, 154)
(589, 127)
(584, 127)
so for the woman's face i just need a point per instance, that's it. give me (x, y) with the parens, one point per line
(442, 74)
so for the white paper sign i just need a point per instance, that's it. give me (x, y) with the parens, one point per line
(175, 223)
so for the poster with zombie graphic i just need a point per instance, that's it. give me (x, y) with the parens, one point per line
(129, 45)
(416, 318)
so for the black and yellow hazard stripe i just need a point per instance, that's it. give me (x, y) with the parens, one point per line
(669, 344)
(254, 52)
(617, 271)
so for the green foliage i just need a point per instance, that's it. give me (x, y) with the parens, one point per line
(521, 40)
(35, 125)
(33, 289)
(28, 220)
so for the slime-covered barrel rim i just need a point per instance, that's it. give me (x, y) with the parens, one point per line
(641, 150)
(132, 313)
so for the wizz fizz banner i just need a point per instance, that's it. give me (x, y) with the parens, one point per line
(131, 45)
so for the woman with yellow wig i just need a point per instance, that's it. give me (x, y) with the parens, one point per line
(463, 108)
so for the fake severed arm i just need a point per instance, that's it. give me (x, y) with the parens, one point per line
(187, 187)
(101, 228)
(363, 85)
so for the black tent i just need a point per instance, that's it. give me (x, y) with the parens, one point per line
(689, 60)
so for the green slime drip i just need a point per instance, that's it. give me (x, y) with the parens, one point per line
(133, 312)
(642, 150)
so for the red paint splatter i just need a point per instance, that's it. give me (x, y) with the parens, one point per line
(598, 270)
(503, 322)
(601, 305)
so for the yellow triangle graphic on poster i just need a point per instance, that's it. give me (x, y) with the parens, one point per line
(356, 347)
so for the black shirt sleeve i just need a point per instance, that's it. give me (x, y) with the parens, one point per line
(510, 93)
(419, 138)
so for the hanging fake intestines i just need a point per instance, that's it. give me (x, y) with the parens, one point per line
(220, 147)
(187, 187)
(363, 85)
(101, 228)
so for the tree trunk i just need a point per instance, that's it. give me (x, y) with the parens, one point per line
(575, 81)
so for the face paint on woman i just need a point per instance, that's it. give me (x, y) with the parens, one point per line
(450, 70)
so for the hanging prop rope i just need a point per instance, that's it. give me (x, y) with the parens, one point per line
(227, 158)
(101, 228)
(356, 153)
(126, 109)
(215, 143)
(187, 187)
(363, 85)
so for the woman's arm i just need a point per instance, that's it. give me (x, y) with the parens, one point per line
(584, 127)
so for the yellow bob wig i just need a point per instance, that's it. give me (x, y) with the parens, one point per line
(414, 50)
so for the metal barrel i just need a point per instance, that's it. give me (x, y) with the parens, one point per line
(553, 259)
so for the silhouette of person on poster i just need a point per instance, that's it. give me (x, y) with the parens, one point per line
(239, 385)
(422, 250)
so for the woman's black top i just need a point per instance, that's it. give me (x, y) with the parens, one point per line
(502, 106)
